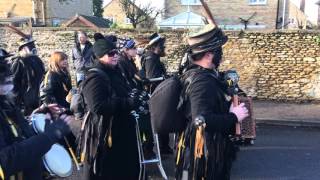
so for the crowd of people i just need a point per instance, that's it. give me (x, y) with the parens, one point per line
(96, 115)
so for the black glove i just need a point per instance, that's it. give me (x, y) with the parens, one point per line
(145, 81)
(133, 102)
(166, 76)
(56, 130)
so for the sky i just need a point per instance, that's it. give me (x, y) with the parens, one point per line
(311, 9)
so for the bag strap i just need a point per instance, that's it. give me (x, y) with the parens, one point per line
(186, 83)
(100, 72)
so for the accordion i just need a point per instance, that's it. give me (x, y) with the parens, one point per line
(248, 125)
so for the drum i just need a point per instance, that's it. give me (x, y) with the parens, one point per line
(38, 122)
(57, 161)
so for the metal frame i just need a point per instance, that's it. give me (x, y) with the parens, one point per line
(142, 160)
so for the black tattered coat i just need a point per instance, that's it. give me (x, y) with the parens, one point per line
(106, 97)
(153, 67)
(206, 97)
(23, 153)
(28, 73)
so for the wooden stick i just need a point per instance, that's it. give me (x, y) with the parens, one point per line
(235, 102)
(17, 31)
(211, 20)
(208, 13)
(72, 153)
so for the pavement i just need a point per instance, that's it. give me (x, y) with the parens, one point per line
(282, 113)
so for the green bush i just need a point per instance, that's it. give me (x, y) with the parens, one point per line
(317, 39)
(114, 25)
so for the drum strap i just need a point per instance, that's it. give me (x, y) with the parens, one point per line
(12, 125)
(46, 79)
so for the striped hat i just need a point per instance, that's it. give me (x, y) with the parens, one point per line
(154, 39)
(206, 39)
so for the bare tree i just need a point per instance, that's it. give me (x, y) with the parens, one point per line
(138, 14)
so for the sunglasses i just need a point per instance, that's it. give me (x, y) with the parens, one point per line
(113, 53)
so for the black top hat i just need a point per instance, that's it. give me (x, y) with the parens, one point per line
(5, 71)
(206, 39)
(25, 42)
(4, 54)
(98, 36)
(154, 39)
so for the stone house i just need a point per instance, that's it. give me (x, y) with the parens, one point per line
(44, 12)
(238, 14)
(92, 22)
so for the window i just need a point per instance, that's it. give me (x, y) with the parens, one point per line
(257, 2)
(56, 22)
(127, 21)
(190, 2)
(111, 18)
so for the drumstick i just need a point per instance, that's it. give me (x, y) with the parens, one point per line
(208, 13)
(156, 79)
(72, 153)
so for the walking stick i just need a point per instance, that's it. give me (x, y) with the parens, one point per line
(232, 78)
(17, 31)
(235, 102)
(208, 13)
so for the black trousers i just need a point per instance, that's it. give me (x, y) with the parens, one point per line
(164, 140)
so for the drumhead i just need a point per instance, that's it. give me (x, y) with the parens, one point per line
(38, 122)
(57, 161)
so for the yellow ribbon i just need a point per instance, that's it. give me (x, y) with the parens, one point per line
(199, 144)
(1, 173)
(13, 128)
(180, 146)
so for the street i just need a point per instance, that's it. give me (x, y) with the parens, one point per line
(279, 152)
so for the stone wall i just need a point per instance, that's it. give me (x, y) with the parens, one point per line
(272, 65)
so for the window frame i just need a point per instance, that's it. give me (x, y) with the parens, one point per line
(186, 2)
(257, 2)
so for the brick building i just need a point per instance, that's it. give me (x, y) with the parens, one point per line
(236, 14)
(44, 12)
(113, 11)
